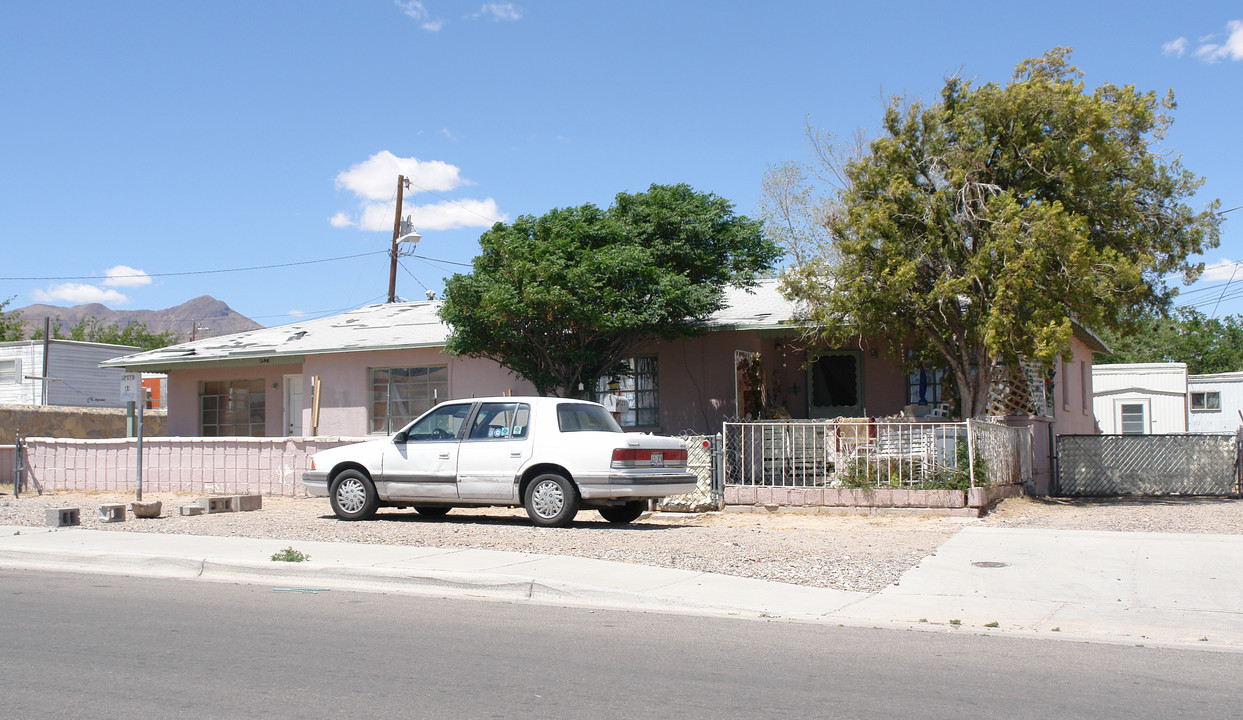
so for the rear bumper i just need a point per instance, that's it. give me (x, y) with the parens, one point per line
(636, 485)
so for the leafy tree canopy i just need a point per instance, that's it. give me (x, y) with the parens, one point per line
(567, 297)
(12, 326)
(92, 329)
(1207, 345)
(975, 229)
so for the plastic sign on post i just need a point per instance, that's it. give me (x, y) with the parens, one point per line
(131, 386)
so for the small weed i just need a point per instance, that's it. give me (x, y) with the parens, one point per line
(955, 622)
(992, 624)
(923, 619)
(19, 532)
(1204, 639)
(290, 555)
(1056, 629)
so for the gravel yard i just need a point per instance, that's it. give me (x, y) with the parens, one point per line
(846, 552)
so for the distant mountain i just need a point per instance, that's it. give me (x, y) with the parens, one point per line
(213, 317)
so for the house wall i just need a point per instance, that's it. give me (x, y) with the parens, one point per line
(81, 382)
(1228, 417)
(345, 384)
(1160, 387)
(183, 395)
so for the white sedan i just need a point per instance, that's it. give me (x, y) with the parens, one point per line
(549, 455)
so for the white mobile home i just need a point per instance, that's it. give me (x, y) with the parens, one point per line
(1140, 398)
(1215, 402)
(70, 377)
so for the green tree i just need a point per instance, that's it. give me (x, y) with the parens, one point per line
(565, 298)
(976, 230)
(1207, 345)
(12, 326)
(92, 329)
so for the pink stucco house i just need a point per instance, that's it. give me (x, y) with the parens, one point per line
(370, 370)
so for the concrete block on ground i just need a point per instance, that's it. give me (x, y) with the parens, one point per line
(219, 504)
(63, 517)
(193, 509)
(112, 512)
(247, 503)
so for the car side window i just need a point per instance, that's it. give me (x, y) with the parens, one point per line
(443, 423)
(501, 421)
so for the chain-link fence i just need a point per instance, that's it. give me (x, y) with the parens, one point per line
(864, 453)
(1113, 465)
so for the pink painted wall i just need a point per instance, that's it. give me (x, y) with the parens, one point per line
(345, 384)
(183, 394)
(228, 466)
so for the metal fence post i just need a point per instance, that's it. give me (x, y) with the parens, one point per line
(970, 452)
(718, 471)
(17, 464)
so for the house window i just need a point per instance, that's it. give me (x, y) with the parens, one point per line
(639, 385)
(232, 408)
(1132, 415)
(1065, 380)
(1206, 401)
(400, 394)
(1085, 388)
(923, 386)
(10, 371)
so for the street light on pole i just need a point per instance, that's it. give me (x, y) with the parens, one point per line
(403, 232)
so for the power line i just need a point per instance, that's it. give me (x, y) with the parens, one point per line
(451, 202)
(201, 272)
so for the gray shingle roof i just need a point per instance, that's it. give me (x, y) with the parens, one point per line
(399, 326)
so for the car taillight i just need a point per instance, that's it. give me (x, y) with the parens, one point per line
(635, 457)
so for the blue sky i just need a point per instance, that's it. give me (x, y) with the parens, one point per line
(146, 144)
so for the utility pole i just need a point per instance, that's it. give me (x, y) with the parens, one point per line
(402, 183)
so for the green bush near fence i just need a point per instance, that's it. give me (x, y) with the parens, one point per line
(910, 474)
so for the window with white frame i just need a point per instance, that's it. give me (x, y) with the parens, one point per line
(640, 387)
(1131, 416)
(400, 394)
(232, 408)
(10, 371)
(1207, 401)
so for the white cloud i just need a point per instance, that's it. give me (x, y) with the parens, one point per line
(374, 182)
(1231, 48)
(78, 293)
(448, 135)
(415, 10)
(376, 177)
(1175, 47)
(499, 12)
(1221, 271)
(296, 313)
(126, 276)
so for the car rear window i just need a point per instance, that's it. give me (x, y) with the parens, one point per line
(582, 417)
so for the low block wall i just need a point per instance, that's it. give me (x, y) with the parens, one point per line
(74, 422)
(269, 466)
(971, 502)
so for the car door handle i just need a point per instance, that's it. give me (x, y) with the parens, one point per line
(444, 456)
(515, 454)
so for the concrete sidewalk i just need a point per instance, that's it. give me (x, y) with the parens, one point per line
(1144, 588)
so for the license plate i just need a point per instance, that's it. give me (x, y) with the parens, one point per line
(658, 459)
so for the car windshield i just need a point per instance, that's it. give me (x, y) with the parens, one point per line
(584, 417)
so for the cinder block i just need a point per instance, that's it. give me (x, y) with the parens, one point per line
(63, 517)
(193, 509)
(223, 503)
(112, 512)
(247, 503)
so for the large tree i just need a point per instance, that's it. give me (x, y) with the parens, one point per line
(1207, 345)
(976, 230)
(564, 299)
(12, 326)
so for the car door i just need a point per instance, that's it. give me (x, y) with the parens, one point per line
(494, 451)
(421, 463)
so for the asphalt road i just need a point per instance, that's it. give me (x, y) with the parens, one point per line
(94, 646)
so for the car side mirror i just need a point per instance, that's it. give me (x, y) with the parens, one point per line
(400, 438)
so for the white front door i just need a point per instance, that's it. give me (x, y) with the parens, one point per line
(293, 405)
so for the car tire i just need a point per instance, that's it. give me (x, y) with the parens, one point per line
(551, 500)
(623, 514)
(353, 496)
(432, 511)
